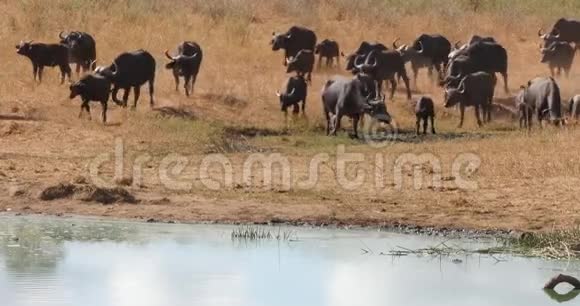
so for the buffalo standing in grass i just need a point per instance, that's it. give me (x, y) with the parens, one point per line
(481, 56)
(328, 49)
(559, 56)
(185, 64)
(131, 70)
(45, 55)
(295, 39)
(425, 111)
(567, 30)
(385, 65)
(345, 97)
(82, 49)
(295, 93)
(92, 87)
(427, 51)
(542, 97)
(475, 89)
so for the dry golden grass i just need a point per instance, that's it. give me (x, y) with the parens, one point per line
(528, 181)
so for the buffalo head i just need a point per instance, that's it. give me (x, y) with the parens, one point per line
(279, 41)
(23, 48)
(454, 95)
(378, 109)
(177, 61)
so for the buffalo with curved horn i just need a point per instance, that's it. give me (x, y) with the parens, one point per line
(82, 49)
(185, 64)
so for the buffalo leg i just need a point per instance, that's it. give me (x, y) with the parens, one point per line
(415, 73)
(65, 71)
(461, 114)
(40, 70)
(355, 120)
(432, 125)
(151, 92)
(137, 92)
(320, 61)
(126, 92)
(327, 116)
(393, 87)
(304, 106)
(104, 114)
(176, 77)
(34, 71)
(418, 125)
(78, 69)
(403, 75)
(186, 79)
(336, 123)
(425, 123)
(86, 107)
(477, 116)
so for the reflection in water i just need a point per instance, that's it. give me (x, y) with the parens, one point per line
(562, 297)
(51, 262)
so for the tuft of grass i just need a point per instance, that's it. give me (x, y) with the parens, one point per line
(259, 233)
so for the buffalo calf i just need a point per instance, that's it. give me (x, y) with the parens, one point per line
(424, 111)
(45, 55)
(92, 87)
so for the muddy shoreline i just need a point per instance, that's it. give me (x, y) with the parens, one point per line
(398, 228)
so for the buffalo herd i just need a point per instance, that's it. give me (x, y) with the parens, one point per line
(467, 73)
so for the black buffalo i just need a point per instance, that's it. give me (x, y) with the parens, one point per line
(482, 56)
(363, 50)
(458, 49)
(45, 55)
(82, 49)
(542, 97)
(295, 93)
(427, 51)
(559, 56)
(328, 49)
(475, 89)
(185, 64)
(302, 64)
(92, 87)
(567, 30)
(130, 70)
(384, 65)
(295, 39)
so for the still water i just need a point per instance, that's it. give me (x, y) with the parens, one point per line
(49, 261)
